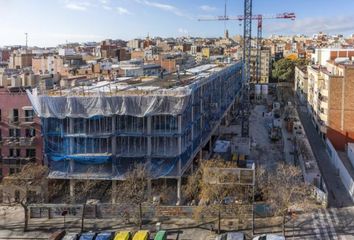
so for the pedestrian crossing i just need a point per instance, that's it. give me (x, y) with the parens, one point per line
(324, 222)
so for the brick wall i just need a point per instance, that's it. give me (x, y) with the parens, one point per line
(341, 109)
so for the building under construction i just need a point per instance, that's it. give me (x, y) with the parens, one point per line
(100, 129)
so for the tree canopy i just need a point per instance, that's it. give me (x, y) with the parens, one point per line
(284, 69)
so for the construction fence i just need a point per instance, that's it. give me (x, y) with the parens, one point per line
(125, 211)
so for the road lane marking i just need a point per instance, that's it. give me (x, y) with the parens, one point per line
(334, 214)
(330, 223)
(315, 226)
(323, 228)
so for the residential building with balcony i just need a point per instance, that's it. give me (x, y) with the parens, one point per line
(330, 100)
(20, 132)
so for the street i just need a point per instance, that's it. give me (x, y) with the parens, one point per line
(337, 193)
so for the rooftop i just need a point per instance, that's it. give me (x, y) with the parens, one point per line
(142, 85)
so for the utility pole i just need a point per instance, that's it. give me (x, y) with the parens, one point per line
(26, 40)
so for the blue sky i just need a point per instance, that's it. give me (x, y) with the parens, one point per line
(50, 22)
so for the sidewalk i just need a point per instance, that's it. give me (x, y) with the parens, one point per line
(337, 193)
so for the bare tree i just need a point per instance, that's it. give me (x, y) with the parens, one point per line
(218, 190)
(134, 189)
(284, 189)
(25, 187)
(87, 191)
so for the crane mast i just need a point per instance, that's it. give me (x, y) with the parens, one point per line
(247, 40)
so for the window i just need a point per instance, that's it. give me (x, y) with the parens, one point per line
(14, 152)
(12, 170)
(15, 116)
(0, 135)
(30, 132)
(0, 115)
(29, 115)
(30, 153)
(14, 132)
(0, 177)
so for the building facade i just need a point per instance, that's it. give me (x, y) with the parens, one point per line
(20, 132)
(265, 65)
(151, 124)
(330, 99)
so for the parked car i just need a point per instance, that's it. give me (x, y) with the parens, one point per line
(141, 235)
(125, 235)
(231, 236)
(269, 237)
(88, 236)
(161, 235)
(105, 236)
(71, 236)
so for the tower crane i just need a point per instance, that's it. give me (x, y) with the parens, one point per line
(247, 39)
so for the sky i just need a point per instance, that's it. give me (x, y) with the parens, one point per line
(51, 22)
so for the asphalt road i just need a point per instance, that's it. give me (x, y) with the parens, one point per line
(337, 193)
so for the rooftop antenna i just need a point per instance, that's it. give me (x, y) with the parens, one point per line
(26, 40)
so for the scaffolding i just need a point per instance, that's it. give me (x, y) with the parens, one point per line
(102, 135)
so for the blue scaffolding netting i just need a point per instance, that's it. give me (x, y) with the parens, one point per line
(102, 136)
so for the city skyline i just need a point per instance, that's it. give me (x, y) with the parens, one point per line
(58, 21)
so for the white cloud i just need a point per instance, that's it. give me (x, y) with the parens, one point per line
(104, 1)
(207, 8)
(338, 24)
(123, 11)
(164, 7)
(77, 5)
(107, 7)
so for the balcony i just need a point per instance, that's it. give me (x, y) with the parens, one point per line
(323, 117)
(13, 121)
(27, 141)
(324, 105)
(324, 92)
(323, 129)
(15, 162)
(19, 141)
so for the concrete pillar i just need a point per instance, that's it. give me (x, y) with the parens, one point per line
(179, 183)
(201, 112)
(149, 188)
(149, 152)
(114, 191)
(71, 166)
(179, 142)
(72, 190)
(114, 144)
(192, 117)
(210, 145)
(149, 129)
(71, 145)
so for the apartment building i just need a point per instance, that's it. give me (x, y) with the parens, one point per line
(20, 59)
(20, 132)
(47, 64)
(301, 83)
(322, 55)
(330, 99)
(265, 65)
